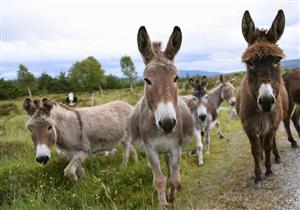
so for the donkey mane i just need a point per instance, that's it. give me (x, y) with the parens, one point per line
(261, 48)
(156, 46)
(76, 113)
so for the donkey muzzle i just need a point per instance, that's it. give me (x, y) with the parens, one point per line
(202, 117)
(167, 124)
(266, 103)
(42, 159)
(42, 153)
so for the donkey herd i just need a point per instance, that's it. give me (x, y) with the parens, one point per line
(164, 122)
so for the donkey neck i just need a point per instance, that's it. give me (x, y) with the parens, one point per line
(215, 96)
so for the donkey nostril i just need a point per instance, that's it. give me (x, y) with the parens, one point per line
(272, 100)
(160, 123)
(167, 125)
(202, 117)
(260, 101)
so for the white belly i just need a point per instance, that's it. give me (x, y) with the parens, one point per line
(164, 143)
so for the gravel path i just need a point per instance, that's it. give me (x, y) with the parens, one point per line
(289, 173)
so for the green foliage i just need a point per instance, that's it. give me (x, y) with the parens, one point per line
(114, 82)
(10, 89)
(128, 69)
(87, 75)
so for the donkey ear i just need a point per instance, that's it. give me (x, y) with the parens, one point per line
(174, 43)
(47, 105)
(204, 81)
(222, 79)
(191, 82)
(28, 106)
(248, 26)
(144, 44)
(277, 27)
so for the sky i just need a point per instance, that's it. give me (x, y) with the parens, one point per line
(49, 36)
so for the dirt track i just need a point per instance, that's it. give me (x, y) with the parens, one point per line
(280, 191)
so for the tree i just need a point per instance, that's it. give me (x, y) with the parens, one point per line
(63, 83)
(128, 69)
(113, 82)
(87, 75)
(46, 82)
(26, 79)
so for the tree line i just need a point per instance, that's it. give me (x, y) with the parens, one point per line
(87, 75)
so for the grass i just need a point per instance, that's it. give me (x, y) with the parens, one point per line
(107, 185)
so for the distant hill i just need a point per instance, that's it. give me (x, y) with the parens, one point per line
(287, 64)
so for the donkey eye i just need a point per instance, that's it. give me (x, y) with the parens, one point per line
(250, 64)
(49, 127)
(29, 129)
(148, 81)
(176, 78)
(194, 98)
(276, 63)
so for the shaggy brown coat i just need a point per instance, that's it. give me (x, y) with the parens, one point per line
(262, 60)
(292, 84)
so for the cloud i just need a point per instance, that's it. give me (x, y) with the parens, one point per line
(60, 32)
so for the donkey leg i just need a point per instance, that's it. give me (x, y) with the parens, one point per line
(158, 177)
(218, 127)
(295, 119)
(207, 140)
(126, 152)
(134, 153)
(275, 151)
(174, 180)
(286, 122)
(167, 159)
(256, 151)
(199, 146)
(268, 141)
(74, 169)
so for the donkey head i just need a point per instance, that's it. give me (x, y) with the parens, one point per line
(160, 77)
(200, 98)
(42, 128)
(228, 90)
(262, 58)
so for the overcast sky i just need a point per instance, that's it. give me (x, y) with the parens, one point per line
(48, 36)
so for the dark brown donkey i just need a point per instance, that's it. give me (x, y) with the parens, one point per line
(262, 100)
(161, 121)
(292, 84)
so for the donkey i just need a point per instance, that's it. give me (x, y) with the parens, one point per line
(224, 91)
(262, 100)
(292, 84)
(204, 114)
(161, 121)
(77, 132)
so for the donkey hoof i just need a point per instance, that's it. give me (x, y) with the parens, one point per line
(268, 173)
(207, 152)
(200, 162)
(70, 175)
(164, 205)
(294, 144)
(193, 152)
(257, 180)
(171, 198)
(277, 160)
(221, 136)
(80, 172)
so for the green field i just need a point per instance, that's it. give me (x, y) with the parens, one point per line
(107, 185)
